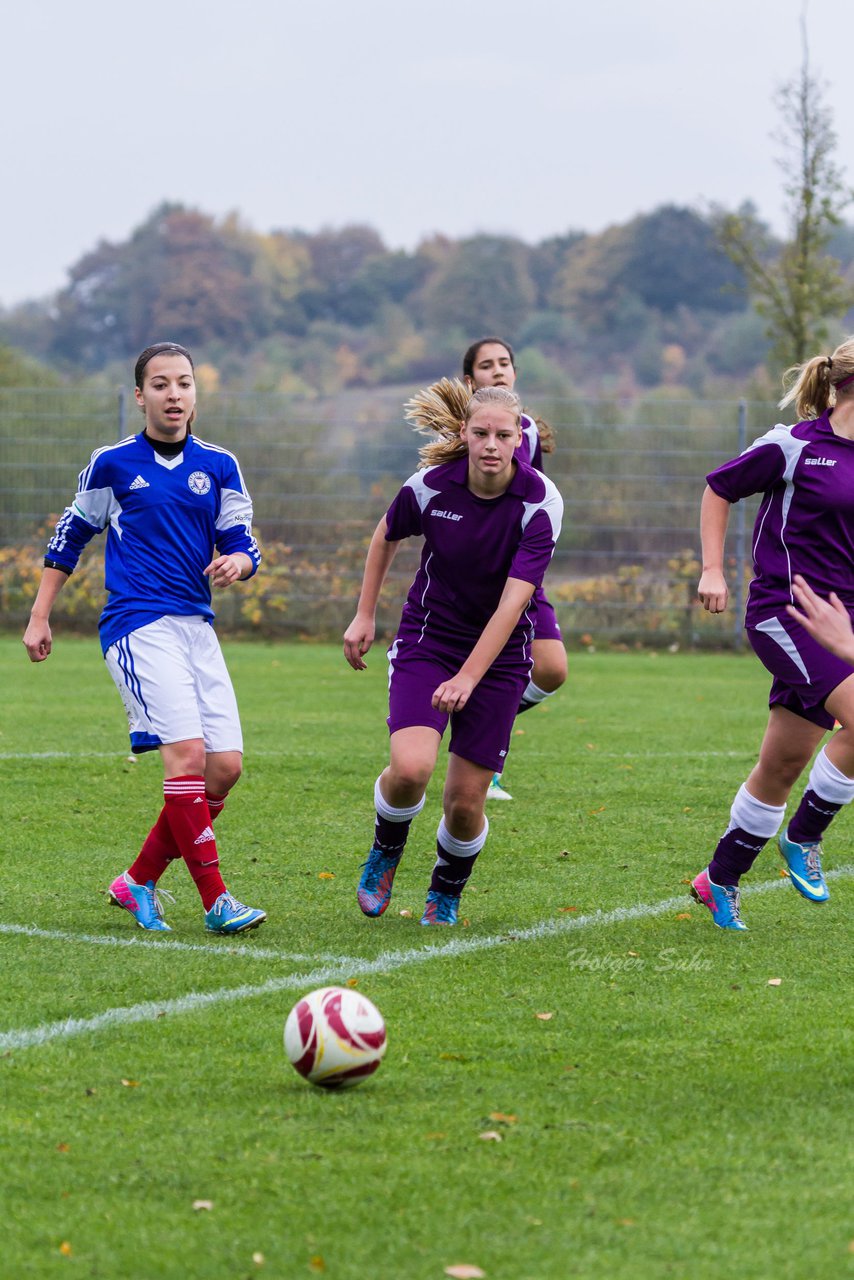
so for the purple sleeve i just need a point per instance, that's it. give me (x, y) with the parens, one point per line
(537, 547)
(403, 516)
(753, 471)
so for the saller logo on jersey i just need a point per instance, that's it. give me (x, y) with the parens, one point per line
(446, 515)
(199, 482)
(819, 462)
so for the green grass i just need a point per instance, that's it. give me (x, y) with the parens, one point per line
(675, 1117)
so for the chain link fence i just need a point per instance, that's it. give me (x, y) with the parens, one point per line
(322, 472)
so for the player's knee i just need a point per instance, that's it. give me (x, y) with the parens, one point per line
(408, 778)
(464, 813)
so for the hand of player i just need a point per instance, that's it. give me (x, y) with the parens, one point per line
(38, 640)
(226, 569)
(358, 639)
(453, 694)
(712, 590)
(827, 621)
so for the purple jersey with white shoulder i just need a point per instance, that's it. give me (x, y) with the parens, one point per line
(530, 450)
(806, 519)
(472, 545)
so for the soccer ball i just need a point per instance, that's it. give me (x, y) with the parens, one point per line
(335, 1037)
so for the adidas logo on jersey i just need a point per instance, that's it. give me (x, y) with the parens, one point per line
(139, 483)
(206, 835)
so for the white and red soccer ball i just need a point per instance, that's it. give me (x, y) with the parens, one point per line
(335, 1037)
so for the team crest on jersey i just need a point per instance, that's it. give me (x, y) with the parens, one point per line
(199, 483)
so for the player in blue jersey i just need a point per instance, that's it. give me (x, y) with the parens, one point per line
(491, 362)
(804, 534)
(178, 519)
(463, 647)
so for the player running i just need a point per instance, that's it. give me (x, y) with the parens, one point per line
(805, 526)
(491, 362)
(463, 647)
(178, 519)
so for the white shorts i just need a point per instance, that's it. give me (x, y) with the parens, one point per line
(175, 685)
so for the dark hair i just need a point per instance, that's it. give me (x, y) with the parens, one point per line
(158, 349)
(471, 355)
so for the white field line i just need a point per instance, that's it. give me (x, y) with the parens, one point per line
(341, 970)
(245, 951)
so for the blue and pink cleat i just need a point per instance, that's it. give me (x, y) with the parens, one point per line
(141, 900)
(374, 892)
(440, 908)
(723, 900)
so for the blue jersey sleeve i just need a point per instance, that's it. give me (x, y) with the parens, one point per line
(234, 521)
(87, 515)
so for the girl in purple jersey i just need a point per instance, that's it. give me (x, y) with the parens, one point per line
(178, 518)
(463, 647)
(804, 533)
(491, 362)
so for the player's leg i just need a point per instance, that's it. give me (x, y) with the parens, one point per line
(415, 729)
(398, 797)
(757, 812)
(480, 735)
(830, 787)
(461, 836)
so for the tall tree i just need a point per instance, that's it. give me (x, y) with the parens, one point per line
(798, 288)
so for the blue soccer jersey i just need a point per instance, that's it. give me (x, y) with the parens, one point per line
(164, 518)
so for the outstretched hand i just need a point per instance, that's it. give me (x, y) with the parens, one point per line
(827, 621)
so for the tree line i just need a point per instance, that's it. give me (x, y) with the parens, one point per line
(656, 301)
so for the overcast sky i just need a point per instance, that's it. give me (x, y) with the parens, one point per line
(529, 118)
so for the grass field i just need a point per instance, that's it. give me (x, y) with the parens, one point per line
(674, 1116)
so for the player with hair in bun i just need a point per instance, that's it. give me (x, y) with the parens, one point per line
(491, 362)
(462, 653)
(803, 549)
(178, 519)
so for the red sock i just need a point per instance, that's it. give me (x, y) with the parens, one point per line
(159, 847)
(189, 818)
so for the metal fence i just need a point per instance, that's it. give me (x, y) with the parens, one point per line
(322, 472)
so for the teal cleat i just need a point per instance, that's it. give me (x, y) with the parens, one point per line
(141, 900)
(440, 908)
(804, 864)
(723, 900)
(495, 791)
(374, 891)
(227, 915)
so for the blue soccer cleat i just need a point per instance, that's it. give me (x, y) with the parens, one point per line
(804, 864)
(441, 908)
(723, 900)
(374, 892)
(227, 915)
(141, 900)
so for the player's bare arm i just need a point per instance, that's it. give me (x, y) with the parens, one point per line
(453, 694)
(360, 634)
(714, 518)
(37, 639)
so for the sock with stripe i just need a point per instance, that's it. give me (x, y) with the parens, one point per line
(159, 847)
(190, 822)
(828, 789)
(752, 824)
(532, 695)
(455, 859)
(392, 825)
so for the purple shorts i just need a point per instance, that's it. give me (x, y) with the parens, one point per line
(545, 624)
(481, 731)
(804, 672)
